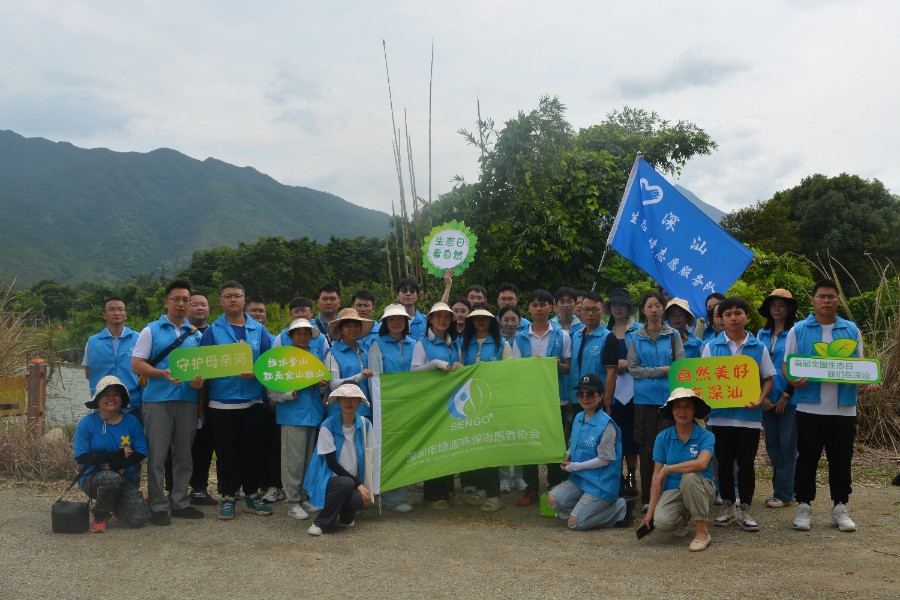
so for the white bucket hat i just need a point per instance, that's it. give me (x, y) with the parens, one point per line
(395, 310)
(303, 324)
(347, 390)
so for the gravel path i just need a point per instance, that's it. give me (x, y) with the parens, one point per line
(461, 553)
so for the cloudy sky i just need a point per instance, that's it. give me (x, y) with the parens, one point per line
(297, 89)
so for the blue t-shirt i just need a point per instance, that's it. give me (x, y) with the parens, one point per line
(670, 450)
(92, 436)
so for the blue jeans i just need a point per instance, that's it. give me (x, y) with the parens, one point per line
(395, 497)
(781, 445)
(588, 512)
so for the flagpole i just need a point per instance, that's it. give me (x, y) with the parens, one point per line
(612, 232)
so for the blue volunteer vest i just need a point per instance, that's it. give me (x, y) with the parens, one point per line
(234, 389)
(603, 482)
(591, 358)
(754, 349)
(490, 351)
(158, 389)
(809, 332)
(779, 383)
(315, 482)
(396, 356)
(307, 408)
(349, 365)
(106, 362)
(652, 391)
(438, 349)
(693, 347)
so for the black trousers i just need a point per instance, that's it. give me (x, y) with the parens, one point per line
(270, 451)
(834, 434)
(342, 500)
(438, 489)
(236, 432)
(736, 443)
(201, 455)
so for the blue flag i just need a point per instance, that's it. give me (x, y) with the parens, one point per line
(663, 233)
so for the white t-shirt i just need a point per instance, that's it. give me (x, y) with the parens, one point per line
(828, 392)
(347, 459)
(766, 369)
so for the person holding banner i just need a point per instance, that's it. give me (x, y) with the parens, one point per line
(336, 478)
(589, 498)
(682, 485)
(510, 321)
(651, 351)
(737, 429)
(826, 412)
(348, 360)
(621, 326)
(438, 351)
(680, 317)
(392, 352)
(779, 413)
(482, 342)
(298, 413)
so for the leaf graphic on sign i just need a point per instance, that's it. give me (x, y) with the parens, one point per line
(842, 348)
(821, 348)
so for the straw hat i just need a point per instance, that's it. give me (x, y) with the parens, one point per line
(105, 383)
(438, 308)
(701, 408)
(303, 324)
(395, 310)
(683, 305)
(480, 312)
(347, 390)
(780, 294)
(349, 314)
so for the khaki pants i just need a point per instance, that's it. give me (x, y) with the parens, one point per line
(695, 495)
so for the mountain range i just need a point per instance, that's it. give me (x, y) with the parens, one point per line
(73, 214)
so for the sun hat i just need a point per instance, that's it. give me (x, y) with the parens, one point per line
(105, 383)
(440, 307)
(348, 389)
(395, 310)
(302, 324)
(683, 305)
(349, 314)
(590, 381)
(619, 295)
(480, 312)
(780, 294)
(701, 408)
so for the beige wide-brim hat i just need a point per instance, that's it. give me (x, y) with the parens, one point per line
(347, 390)
(683, 305)
(303, 324)
(780, 294)
(395, 310)
(104, 383)
(349, 314)
(480, 312)
(440, 307)
(701, 408)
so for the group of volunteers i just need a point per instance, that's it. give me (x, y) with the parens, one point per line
(308, 447)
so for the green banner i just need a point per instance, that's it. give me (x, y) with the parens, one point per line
(433, 423)
(210, 362)
(834, 369)
(722, 381)
(287, 368)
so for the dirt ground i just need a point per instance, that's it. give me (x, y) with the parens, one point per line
(461, 553)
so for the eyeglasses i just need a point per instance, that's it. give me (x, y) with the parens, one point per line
(232, 296)
(408, 291)
(581, 394)
(594, 310)
(826, 296)
(115, 310)
(178, 300)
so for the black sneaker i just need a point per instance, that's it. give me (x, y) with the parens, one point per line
(202, 498)
(188, 512)
(161, 518)
(631, 485)
(629, 514)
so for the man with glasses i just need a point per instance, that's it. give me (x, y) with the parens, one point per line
(408, 295)
(169, 405)
(826, 412)
(594, 350)
(109, 353)
(508, 295)
(564, 307)
(236, 406)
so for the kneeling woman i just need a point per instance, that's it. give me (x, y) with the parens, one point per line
(109, 444)
(682, 485)
(589, 498)
(334, 480)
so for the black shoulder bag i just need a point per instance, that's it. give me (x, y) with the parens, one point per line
(71, 517)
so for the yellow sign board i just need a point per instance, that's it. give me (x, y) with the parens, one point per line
(13, 396)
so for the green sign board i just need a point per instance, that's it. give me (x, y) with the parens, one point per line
(288, 368)
(722, 381)
(434, 423)
(210, 362)
(448, 246)
(834, 369)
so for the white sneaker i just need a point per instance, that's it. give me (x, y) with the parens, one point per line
(841, 518)
(405, 507)
(521, 485)
(804, 517)
(273, 494)
(314, 530)
(504, 486)
(298, 513)
(727, 516)
(773, 502)
(309, 507)
(746, 520)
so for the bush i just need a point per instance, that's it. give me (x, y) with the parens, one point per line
(44, 459)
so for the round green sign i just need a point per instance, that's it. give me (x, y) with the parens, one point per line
(448, 246)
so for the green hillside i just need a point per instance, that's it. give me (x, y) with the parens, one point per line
(72, 214)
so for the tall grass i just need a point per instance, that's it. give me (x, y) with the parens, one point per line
(22, 458)
(19, 342)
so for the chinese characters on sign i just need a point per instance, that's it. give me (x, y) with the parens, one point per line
(448, 246)
(834, 369)
(474, 443)
(286, 368)
(210, 362)
(722, 381)
(12, 396)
